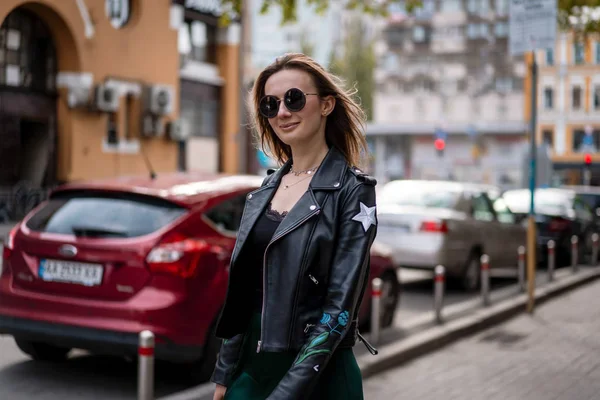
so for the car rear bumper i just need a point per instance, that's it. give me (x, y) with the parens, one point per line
(180, 322)
(95, 340)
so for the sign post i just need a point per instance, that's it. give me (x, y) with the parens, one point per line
(532, 26)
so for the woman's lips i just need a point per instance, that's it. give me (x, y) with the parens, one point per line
(288, 127)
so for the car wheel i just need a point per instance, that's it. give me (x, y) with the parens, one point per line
(472, 273)
(202, 370)
(42, 351)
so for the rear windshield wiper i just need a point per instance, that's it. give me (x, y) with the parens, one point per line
(89, 231)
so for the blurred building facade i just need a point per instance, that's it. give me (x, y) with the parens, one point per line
(210, 78)
(94, 88)
(446, 72)
(568, 105)
(85, 88)
(319, 35)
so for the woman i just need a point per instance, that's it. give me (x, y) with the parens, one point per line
(300, 263)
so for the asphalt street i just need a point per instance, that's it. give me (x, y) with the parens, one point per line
(99, 377)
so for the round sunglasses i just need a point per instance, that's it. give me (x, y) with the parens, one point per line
(295, 100)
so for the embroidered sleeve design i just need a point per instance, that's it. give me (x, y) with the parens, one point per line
(326, 319)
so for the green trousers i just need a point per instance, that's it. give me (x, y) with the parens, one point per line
(258, 374)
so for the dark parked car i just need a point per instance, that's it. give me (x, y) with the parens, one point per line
(100, 261)
(560, 214)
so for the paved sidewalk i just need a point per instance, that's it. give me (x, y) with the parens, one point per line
(553, 355)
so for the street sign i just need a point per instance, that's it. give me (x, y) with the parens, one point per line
(532, 25)
(440, 133)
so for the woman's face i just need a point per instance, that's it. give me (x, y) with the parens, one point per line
(301, 126)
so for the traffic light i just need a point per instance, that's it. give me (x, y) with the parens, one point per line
(587, 170)
(440, 145)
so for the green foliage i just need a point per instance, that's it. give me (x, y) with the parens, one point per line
(306, 46)
(288, 7)
(356, 64)
(580, 9)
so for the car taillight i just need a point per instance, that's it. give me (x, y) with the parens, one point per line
(558, 224)
(177, 255)
(10, 243)
(434, 226)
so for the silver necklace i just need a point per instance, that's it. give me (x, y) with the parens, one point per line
(309, 171)
(286, 187)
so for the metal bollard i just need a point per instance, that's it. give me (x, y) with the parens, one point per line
(146, 366)
(574, 253)
(551, 260)
(375, 309)
(485, 279)
(521, 252)
(438, 295)
(595, 244)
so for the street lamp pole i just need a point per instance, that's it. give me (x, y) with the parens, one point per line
(531, 231)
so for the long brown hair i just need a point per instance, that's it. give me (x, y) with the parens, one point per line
(345, 124)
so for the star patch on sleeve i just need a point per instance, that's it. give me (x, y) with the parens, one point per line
(366, 216)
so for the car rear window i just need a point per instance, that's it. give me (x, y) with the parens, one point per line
(104, 215)
(428, 196)
(545, 202)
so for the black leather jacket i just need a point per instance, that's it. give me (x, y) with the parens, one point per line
(316, 268)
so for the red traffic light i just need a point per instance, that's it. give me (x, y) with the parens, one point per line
(439, 144)
(587, 159)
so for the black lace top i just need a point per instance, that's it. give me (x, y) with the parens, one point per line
(257, 242)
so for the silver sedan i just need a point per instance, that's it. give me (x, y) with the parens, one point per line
(430, 223)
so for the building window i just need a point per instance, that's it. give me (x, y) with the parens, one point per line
(501, 29)
(578, 53)
(199, 108)
(504, 85)
(548, 98)
(420, 34)
(203, 41)
(502, 109)
(451, 5)
(549, 57)
(576, 97)
(582, 142)
(27, 53)
(597, 97)
(548, 138)
(480, 7)
(502, 7)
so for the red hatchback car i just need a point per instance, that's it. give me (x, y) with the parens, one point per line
(100, 261)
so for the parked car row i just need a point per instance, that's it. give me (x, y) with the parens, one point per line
(100, 261)
(430, 223)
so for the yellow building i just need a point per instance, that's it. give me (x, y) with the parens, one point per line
(568, 104)
(90, 88)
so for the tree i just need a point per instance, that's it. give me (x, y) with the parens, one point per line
(306, 45)
(581, 16)
(232, 8)
(356, 63)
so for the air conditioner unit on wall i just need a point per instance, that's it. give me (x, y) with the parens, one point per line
(177, 131)
(106, 98)
(159, 99)
(152, 126)
(78, 97)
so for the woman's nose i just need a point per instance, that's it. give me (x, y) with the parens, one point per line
(283, 111)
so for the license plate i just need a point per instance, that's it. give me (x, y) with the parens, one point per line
(71, 272)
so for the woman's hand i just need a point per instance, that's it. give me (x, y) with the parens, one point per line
(219, 392)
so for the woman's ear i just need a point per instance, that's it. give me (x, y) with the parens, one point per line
(327, 105)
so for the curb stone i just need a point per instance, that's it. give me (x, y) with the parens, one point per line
(436, 337)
